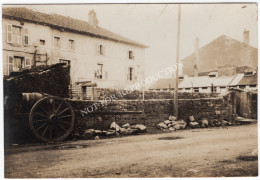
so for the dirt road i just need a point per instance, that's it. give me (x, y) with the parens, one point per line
(227, 151)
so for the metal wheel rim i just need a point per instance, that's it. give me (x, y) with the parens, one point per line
(32, 117)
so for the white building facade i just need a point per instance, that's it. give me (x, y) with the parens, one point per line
(94, 54)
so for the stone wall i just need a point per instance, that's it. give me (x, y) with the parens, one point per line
(138, 95)
(154, 111)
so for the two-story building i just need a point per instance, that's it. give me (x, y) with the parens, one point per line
(94, 54)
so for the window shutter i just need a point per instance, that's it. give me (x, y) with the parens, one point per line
(10, 64)
(97, 50)
(9, 33)
(28, 63)
(26, 36)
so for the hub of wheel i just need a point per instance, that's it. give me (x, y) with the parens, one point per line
(53, 119)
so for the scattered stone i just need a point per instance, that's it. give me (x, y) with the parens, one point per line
(167, 122)
(140, 127)
(169, 125)
(111, 132)
(114, 126)
(125, 131)
(214, 123)
(224, 123)
(96, 138)
(97, 132)
(162, 126)
(104, 133)
(191, 118)
(194, 125)
(204, 123)
(126, 126)
(171, 129)
(172, 118)
(88, 133)
(181, 124)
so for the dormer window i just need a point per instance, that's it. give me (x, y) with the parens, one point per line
(213, 74)
(249, 72)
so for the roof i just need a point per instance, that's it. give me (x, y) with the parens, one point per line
(248, 80)
(242, 69)
(236, 79)
(205, 81)
(65, 23)
(164, 84)
(222, 51)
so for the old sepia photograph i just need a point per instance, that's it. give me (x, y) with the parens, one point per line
(130, 90)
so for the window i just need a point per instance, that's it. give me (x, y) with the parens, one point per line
(204, 87)
(71, 44)
(180, 88)
(242, 86)
(222, 87)
(196, 90)
(16, 63)
(42, 42)
(252, 85)
(131, 55)
(99, 71)
(187, 88)
(130, 74)
(100, 50)
(14, 35)
(56, 42)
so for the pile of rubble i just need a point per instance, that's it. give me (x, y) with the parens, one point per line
(173, 124)
(115, 129)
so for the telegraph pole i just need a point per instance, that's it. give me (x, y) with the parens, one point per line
(177, 61)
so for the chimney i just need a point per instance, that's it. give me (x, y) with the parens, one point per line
(92, 18)
(246, 36)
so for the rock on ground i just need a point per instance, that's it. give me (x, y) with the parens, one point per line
(172, 118)
(204, 123)
(162, 126)
(140, 127)
(115, 126)
(126, 126)
(181, 124)
(194, 125)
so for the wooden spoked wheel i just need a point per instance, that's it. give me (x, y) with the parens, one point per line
(51, 119)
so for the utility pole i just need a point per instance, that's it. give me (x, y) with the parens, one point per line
(177, 63)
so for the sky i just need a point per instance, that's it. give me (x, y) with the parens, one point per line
(155, 25)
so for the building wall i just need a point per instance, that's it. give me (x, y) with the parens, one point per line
(84, 58)
(221, 52)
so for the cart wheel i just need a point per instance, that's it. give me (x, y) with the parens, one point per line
(51, 119)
